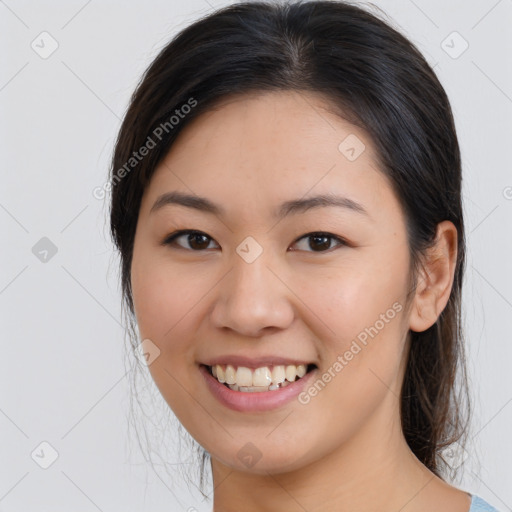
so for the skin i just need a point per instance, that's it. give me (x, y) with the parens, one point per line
(344, 450)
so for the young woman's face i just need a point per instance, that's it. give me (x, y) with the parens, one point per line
(264, 285)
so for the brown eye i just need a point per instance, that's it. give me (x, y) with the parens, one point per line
(194, 240)
(320, 242)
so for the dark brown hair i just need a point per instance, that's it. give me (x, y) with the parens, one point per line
(373, 77)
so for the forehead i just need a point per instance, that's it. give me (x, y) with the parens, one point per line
(266, 148)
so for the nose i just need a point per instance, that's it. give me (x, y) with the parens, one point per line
(253, 299)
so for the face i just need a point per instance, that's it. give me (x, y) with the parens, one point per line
(262, 285)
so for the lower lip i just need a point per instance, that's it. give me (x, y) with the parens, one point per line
(258, 401)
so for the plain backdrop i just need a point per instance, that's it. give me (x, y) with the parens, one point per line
(67, 71)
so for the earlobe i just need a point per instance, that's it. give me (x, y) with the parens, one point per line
(435, 280)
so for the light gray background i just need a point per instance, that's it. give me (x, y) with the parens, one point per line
(63, 374)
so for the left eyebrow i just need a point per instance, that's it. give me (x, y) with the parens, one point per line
(287, 208)
(321, 201)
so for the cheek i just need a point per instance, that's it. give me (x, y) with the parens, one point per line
(167, 302)
(359, 374)
(351, 300)
(163, 296)
(362, 344)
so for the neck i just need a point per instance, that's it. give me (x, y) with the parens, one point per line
(374, 471)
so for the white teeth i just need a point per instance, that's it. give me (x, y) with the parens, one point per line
(230, 375)
(291, 372)
(301, 370)
(278, 374)
(257, 389)
(260, 379)
(221, 377)
(243, 376)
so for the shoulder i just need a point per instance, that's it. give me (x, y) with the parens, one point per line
(480, 505)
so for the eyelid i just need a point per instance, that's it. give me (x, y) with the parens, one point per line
(170, 239)
(340, 240)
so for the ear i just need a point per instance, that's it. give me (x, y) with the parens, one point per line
(435, 280)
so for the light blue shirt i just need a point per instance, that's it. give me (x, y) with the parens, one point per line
(480, 505)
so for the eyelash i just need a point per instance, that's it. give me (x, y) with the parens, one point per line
(170, 239)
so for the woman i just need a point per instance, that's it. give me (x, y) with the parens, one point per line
(286, 201)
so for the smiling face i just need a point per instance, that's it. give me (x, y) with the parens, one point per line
(321, 284)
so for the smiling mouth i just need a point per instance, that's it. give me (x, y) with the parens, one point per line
(265, 378)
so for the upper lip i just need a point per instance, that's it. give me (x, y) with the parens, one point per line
(255, 362)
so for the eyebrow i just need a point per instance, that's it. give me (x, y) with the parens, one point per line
(291, 207)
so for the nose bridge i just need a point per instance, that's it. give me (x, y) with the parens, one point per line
(252, 297)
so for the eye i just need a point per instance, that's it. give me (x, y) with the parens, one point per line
(321, 242)
(197, 240)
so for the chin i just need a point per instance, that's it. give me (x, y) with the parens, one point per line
(263, 460)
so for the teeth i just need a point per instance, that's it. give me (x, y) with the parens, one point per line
(258, 389)
(230, 375)
(291, 372)
(278, 374)
(221, 376)
(244, 376)
(260, 379)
